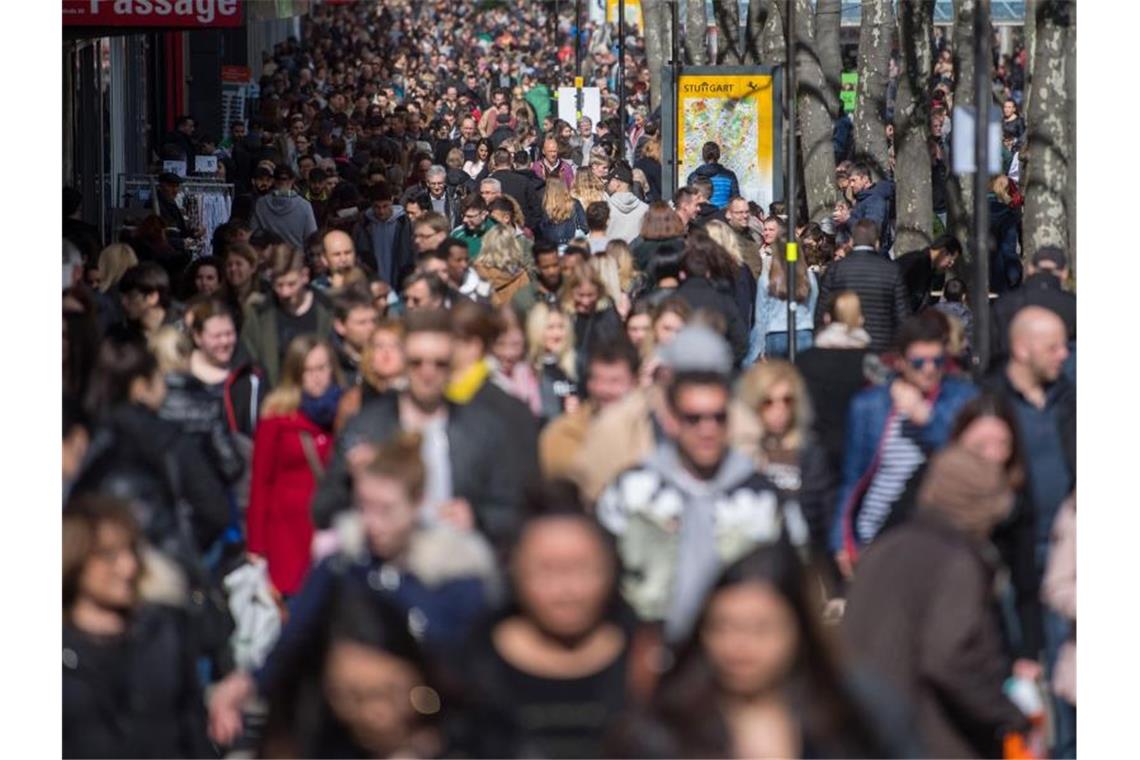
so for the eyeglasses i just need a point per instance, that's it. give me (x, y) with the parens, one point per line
(417, 362)
(692, 420)
(781, 400)
(920, 362)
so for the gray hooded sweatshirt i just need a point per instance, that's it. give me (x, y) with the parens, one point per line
(287, 214)
(626, 213)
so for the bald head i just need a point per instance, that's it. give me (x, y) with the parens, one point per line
(339, 252)
(1038, 343)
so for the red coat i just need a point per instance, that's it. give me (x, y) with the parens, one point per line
(279, 523)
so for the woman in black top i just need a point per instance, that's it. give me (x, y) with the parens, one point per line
(548, 678)
(130, 688)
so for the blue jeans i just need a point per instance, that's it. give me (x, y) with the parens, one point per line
(1065, 736)
(776, 343)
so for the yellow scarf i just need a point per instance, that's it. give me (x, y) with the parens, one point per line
(464, 387)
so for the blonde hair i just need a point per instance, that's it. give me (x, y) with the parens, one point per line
(757, 384)
(846, 310)
(286, 397)
(1000, 188)
(500, 250)
(171, 348)
(581, 274)
(114, 260)
(728, 240)
(587, 189)
(536, 323)
(615, 268)
(557, 202)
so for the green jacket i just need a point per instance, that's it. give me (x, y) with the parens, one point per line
(474, 240)
(259, 333)
(539, 99)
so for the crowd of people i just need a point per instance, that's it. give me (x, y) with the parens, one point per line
(467, 443)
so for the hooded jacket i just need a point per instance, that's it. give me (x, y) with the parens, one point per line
(287, 214)
(675, 533)
(259, 338)
(926, 590)
(626, 213)
(874, 203)
(724, 182)
(387, 243)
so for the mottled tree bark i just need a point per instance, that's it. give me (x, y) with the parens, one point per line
(814, 120)
(1050, 139)
(758, 13)
(773, 44)
(876, 32)
(655, 15)
(913, 204)
(960, 189)
(727, 13)
(826, 39)
(695, 31)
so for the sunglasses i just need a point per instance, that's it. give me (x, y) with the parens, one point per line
(417, 362)
(921, 362)
(692, 420)
(781, 400)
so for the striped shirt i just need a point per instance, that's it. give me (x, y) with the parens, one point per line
(901, 457)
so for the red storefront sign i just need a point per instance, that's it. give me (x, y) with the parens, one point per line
(185, 14)
(237, 74)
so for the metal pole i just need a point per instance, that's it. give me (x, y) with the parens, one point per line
(675, 46)
(577, 38)
(980, 296)
(621, 72)
(790, 250)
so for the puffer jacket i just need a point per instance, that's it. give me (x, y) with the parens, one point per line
(881, 289)
(874, 203)
(724, 182)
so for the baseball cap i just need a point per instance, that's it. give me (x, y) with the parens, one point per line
(697, 348)
(1051, 256)
(621, 172)
(169, 178)
(262, 171)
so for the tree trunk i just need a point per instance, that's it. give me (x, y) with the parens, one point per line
(758, 13)
(727, 14)
(653, 13)
(1071, 115)
(773, 46)
(695, 31)
(1030, 32)
(875, 36)
(960, 189)
(914, 204)
(826, 40)
(1049, 137)
(814, 119)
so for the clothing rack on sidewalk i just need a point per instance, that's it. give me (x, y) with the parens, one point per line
(204, 203)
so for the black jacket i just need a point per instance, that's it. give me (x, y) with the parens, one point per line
(882, 294)
(525, 188)
(140, 701)
(652, 169)
(477, 446)
(702, 293)
(833, 376)
(198, 410)
(918, 276)
(591, 330)
(152, 464)
(1041, 289)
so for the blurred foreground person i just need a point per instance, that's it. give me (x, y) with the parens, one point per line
(440, 578)
(548, 676)
(361, 688)
(758, 679)
(926, 588)
(129, 683)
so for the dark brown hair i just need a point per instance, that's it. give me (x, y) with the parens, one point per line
(82, 519)
(661, 222)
